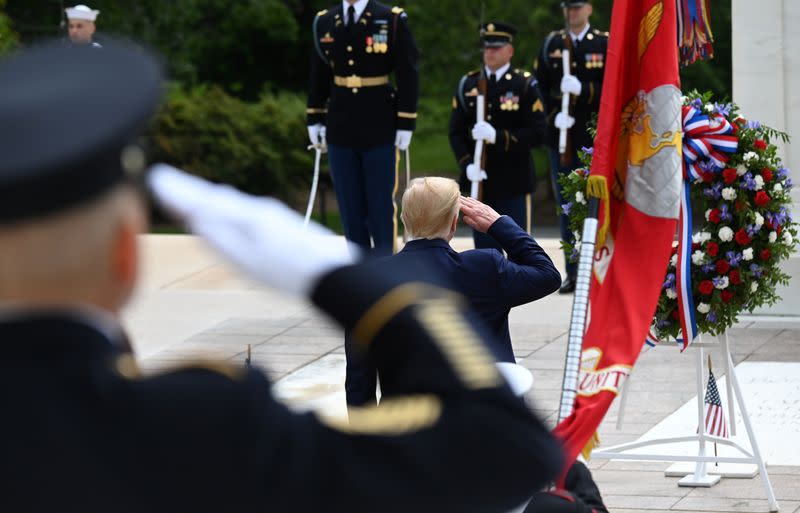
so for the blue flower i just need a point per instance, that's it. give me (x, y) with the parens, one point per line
(753, 125)
(711, 317)
(748, 182)
(664, 324)
(723, 108)
(733, 258)
(709, 268)
(788, 184)
(782, 172)
(697, 103)
(566, 207)
(724, 213)
(588, 151)
(718, 281)
(670, 281)
(756, 270)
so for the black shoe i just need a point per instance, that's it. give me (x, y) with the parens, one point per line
(567, 286)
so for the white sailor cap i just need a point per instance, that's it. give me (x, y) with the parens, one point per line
(81, 12)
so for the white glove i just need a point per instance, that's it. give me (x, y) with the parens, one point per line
(316, 134)
(262, 236)
(403, 139)
(571, 85)
(563, 121)
(474, 174)
(483, 131)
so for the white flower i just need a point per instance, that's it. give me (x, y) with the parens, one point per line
(671, 293)
(729, 193)
(709, 107)
(673, 261)
(704, 237)
(703, 308)
(747, 254)
(722, 283)
(787, 238)
(725, 234)
(698, 257)
(683, 99)
(759, 222)
(773, 236)
(778, 188)
(749, 156)
(579, 198)
(741, 170)
(708, 214)
(753, 286)
(759, 180)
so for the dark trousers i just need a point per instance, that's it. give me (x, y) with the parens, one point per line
(557, 170)
(518, 208)
(365, 181)
(361, 377)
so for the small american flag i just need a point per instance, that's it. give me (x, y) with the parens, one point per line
(716, 425)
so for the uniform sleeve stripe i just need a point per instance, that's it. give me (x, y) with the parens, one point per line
(380, 313)
(316, 111)
(394, 417)
(407, 115)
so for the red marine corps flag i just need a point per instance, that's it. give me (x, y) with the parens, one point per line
(636, 172)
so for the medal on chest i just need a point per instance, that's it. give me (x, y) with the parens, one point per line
(509, 101)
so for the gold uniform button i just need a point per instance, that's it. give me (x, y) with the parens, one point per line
(355, 90)
(349, 48)
(350, 62)
(489, 117)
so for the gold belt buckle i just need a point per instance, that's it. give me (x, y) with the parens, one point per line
(353, 81)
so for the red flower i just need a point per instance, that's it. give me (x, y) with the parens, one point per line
(779, 229)
(765, 254)
(727, 295)
(736, 278)
(675, 315)
(729, 175)
(712, 248)
(695, 246)
(760, 145)
(714, 216)
(742, 238)
(741, 121)
(723, 266)
(770, 225)
(706, 287)
(738, 206)
(766, 174)
(762, 198)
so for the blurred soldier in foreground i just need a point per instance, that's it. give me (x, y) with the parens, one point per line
(587, 47)
(84, 431)
(514, 124)
(581, 495)
(353, 107)
(82, 26)
(492, 283)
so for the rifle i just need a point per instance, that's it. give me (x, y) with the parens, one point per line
(564, 141)
(479, 157)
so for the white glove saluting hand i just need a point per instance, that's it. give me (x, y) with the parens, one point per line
(474, 174)
(483, 131)
(571, 85)
(563, 121)
(262, 236)
(316, 134)
(403, 139)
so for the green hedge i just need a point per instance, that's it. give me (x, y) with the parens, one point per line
(259, 147)
(8, 38)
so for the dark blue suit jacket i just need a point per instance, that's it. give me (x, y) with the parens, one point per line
(492, 283)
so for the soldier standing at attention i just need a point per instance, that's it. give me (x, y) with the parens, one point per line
(587, 48)
(514, 124)
(360, 115)
(82, 25)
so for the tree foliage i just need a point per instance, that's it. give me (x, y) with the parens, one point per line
(8, 38)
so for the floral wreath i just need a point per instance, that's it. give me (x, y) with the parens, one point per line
(740, 185)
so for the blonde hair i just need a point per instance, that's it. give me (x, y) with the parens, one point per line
(66, 251)
(429, 205)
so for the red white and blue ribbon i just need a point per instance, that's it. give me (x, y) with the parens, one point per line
(707, 143)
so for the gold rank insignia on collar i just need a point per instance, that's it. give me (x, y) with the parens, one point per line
(556, 54)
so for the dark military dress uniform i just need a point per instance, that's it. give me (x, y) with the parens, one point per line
(84, 431)
(588, 66)
(516, 111)
(351, 93)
